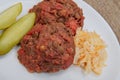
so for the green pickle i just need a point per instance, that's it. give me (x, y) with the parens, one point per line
(8, 17)
(12, 36)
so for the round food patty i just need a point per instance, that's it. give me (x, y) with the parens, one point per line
(47, 48)
(64, 11)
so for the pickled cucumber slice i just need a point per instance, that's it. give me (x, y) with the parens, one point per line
(11, 36)
(8, 17)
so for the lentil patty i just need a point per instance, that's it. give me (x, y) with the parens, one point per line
(47, 48)
(64, 11)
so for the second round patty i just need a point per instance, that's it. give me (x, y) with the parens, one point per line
(63, 11)
(47, 48)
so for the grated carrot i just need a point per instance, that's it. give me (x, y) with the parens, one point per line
(90, 51)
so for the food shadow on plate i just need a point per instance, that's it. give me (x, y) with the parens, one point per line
(62, 73)
(13, 51)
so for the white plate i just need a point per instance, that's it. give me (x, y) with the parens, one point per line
(11, 69)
